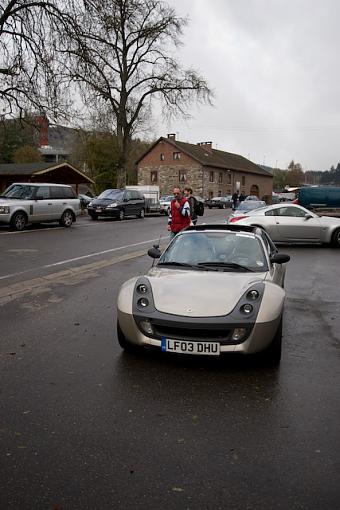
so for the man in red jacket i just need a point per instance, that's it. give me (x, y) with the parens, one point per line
(179, 217)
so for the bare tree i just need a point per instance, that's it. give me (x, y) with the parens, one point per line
(30, 77)
(123, 58)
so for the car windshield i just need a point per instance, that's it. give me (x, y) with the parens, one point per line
(19, 191)
(112, 194)
(225, 251)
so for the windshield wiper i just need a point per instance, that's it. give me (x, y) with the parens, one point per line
(231, 265)
(185, 264)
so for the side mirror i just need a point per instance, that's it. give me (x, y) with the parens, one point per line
(279, 258)
(308, 216)
(154, 253)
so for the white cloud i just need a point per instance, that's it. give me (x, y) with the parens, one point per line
(273, 66)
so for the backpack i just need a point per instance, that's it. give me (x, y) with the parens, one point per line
(198, 207)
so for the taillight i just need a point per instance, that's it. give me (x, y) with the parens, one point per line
(296, 201)
(236, 218)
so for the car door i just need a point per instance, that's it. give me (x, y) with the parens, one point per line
(267, 221)
(129, 203)
(42, 207)
(276, 271)
(297, 224)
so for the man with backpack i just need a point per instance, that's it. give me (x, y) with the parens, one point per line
(196, 207)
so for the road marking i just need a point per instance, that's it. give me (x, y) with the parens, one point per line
(70, 276)
(68, 261)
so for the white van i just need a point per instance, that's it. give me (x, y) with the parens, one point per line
(28, 202)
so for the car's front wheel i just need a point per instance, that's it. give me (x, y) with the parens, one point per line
(66, 219)
(18, 221)
(272, 355)
(336, 238)
(93, 216)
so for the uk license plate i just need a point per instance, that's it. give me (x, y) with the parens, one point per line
(98, 209)
(187, 347)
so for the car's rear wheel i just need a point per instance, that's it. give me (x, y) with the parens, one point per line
(272, 355)
(121, 214)
(141, 213)
(336, 238)
(66, 219)
(125, 345)
(18, 221)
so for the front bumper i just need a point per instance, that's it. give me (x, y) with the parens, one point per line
(110, 212)
(259, 336)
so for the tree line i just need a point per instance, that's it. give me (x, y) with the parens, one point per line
(295, 176)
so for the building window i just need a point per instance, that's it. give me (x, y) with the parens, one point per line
(243, 180)
(176, 155)
(162, 157)
(154, 176)
(229, 178)
(219, 193)
(211, 176)
(220, 177)
(182, 176)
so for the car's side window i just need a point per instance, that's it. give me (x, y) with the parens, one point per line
(290, 211)
(43, 192)
(127, 195)
(270, 213)
(57, 192)
(270, 246)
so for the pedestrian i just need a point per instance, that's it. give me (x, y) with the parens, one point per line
(187, 192)
(242, 197)
(235, 200)
(179, 217)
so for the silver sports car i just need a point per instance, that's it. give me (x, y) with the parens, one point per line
(289, 223)
(215, 289)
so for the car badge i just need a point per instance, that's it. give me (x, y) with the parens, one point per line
(189, 310)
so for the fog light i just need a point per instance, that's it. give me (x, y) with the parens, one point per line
(253, 295)
(143, 302)
(146, 326)
(142, 288)
(238, 333)
(246, 309)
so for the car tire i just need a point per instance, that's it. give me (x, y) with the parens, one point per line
(336, 238)
(272, 355)
(18, 221)
(141, 213)
(121, 214)
(93, 216)
(125, 345)
(66, 219)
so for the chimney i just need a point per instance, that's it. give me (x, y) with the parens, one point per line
(206, 146)
(42, 125)
(172, 136)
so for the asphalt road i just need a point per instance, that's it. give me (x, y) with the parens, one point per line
(85, 426)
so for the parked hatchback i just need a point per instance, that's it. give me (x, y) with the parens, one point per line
(24, 203)
(117, 203)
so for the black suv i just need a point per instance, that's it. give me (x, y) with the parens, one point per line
(117, 203)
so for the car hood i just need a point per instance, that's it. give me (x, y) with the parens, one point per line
(104, 202)
(182, 292)
(9, 201)
(329, 220)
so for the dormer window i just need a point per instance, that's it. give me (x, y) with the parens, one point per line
(176, 155)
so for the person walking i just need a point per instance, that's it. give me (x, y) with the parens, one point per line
(179, 217)
(187, 192)
(235, 200)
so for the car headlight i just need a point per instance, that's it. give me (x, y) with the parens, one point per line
(89, 205)
(142, 288)
(246, 308)
(143, 302)
(4, 209)
(114, 204)
(253, 295)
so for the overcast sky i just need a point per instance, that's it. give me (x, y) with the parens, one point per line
(274, 68)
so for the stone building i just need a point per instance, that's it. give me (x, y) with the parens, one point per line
(210, 172)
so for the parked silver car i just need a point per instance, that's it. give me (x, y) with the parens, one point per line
(165, 204)
(292, 224)
(216, 289)
(24, 203)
